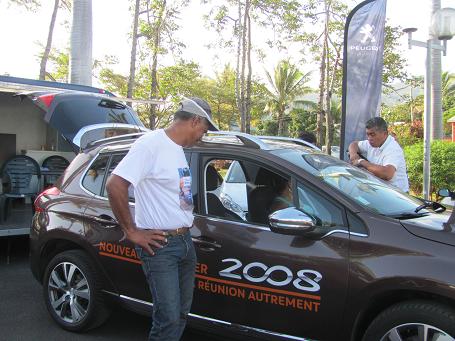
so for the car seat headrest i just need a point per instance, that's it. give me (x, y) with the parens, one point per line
(212, 178)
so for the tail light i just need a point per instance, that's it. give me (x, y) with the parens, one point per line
(39, 199)
(47, 99)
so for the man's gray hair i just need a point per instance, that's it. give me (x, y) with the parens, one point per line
(377, 123)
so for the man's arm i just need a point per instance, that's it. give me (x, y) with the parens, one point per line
(384, 172)
(354, 152)
(117, 189)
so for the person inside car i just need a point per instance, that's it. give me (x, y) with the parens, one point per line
(283, 198)
(157, 168)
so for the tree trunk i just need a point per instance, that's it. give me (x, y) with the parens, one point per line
(248, 79)
(328, 111)
(242, 75)
(237, 70)
(81, 43)
(47, 50)
(154, 85)
(132, 75)
(280, 122)
(321, 97)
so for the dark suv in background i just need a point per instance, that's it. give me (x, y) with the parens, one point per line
(351, 258)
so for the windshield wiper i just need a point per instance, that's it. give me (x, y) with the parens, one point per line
(435, 206)
(408, 215)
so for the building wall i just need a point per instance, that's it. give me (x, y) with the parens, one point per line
(25, 120)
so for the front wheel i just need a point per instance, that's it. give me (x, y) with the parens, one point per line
(413, 321)
(72, 292)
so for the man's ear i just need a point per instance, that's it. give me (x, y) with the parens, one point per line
(195, 120)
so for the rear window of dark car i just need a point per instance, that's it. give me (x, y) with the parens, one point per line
(72, 114)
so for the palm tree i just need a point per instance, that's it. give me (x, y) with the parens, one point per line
(448, 84)
(287, 83)
(81, 43)
(47, 50)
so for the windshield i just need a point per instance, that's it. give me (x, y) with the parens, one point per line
(359, 185)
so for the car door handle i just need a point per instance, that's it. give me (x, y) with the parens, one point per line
(106, 220)
(206, 244)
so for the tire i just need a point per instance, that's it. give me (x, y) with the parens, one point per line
(77, 303)
(406, 321)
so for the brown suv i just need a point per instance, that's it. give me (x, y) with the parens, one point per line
(344, 257)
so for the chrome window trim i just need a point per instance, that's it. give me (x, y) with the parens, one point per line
(246, 224)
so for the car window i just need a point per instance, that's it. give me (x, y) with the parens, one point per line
(222, 199)
(94, 176)
(235, 173)
(114, 162)
(326, 213)
(244, 191)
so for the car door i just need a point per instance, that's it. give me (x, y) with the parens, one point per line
(249, 275)
(117, 255)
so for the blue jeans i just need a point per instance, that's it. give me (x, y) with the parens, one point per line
(170, 276)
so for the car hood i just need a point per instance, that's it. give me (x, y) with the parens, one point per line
(433, 227)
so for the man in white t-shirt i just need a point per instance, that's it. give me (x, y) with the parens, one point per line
(156, 166)
(383, 155)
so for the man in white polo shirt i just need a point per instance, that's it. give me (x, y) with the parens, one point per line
(383, 155)
(157, 168)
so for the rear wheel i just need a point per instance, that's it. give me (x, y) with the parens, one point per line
(413, 321)
(72, 292)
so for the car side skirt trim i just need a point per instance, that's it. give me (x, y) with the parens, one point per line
(225, 323)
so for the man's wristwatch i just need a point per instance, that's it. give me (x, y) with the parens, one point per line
(358, 161)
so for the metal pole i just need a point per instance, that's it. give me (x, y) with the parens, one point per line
(437, 131)
(427, 126)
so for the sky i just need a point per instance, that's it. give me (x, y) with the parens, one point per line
(21, 31)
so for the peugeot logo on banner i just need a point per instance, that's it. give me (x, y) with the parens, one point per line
(367, 30)
(366, 36)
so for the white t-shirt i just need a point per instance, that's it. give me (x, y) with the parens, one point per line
(390, 153)
(157, 168)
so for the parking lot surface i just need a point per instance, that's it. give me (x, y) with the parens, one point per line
(23, 315)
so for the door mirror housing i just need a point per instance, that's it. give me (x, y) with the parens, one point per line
(292, 221)
(444, 192)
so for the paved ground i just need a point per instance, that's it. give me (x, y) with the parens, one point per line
(23, 315)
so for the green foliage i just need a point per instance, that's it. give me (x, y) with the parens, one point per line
(302, 119)
(394, 63)
(58, 65)
(268, 127)
(29, 5)
(442, 166)
(285, 85)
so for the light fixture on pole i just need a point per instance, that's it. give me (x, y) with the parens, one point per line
(443, 27)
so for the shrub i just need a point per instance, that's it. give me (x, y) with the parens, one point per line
(442, 166)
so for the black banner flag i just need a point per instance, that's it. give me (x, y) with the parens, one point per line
(362, 69)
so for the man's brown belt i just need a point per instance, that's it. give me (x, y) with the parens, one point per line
(177, 232)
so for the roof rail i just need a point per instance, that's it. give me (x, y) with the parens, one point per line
(291, 140)
(247, 139)
(112, 139)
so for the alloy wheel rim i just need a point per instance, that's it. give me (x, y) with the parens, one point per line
(416, 332)
(69, 292)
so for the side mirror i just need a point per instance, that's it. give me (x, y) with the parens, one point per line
(444, 192)
(291, 221)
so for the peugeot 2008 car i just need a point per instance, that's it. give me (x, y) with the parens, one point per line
(349, 258)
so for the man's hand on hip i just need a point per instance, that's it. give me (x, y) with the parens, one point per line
(147, 239)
